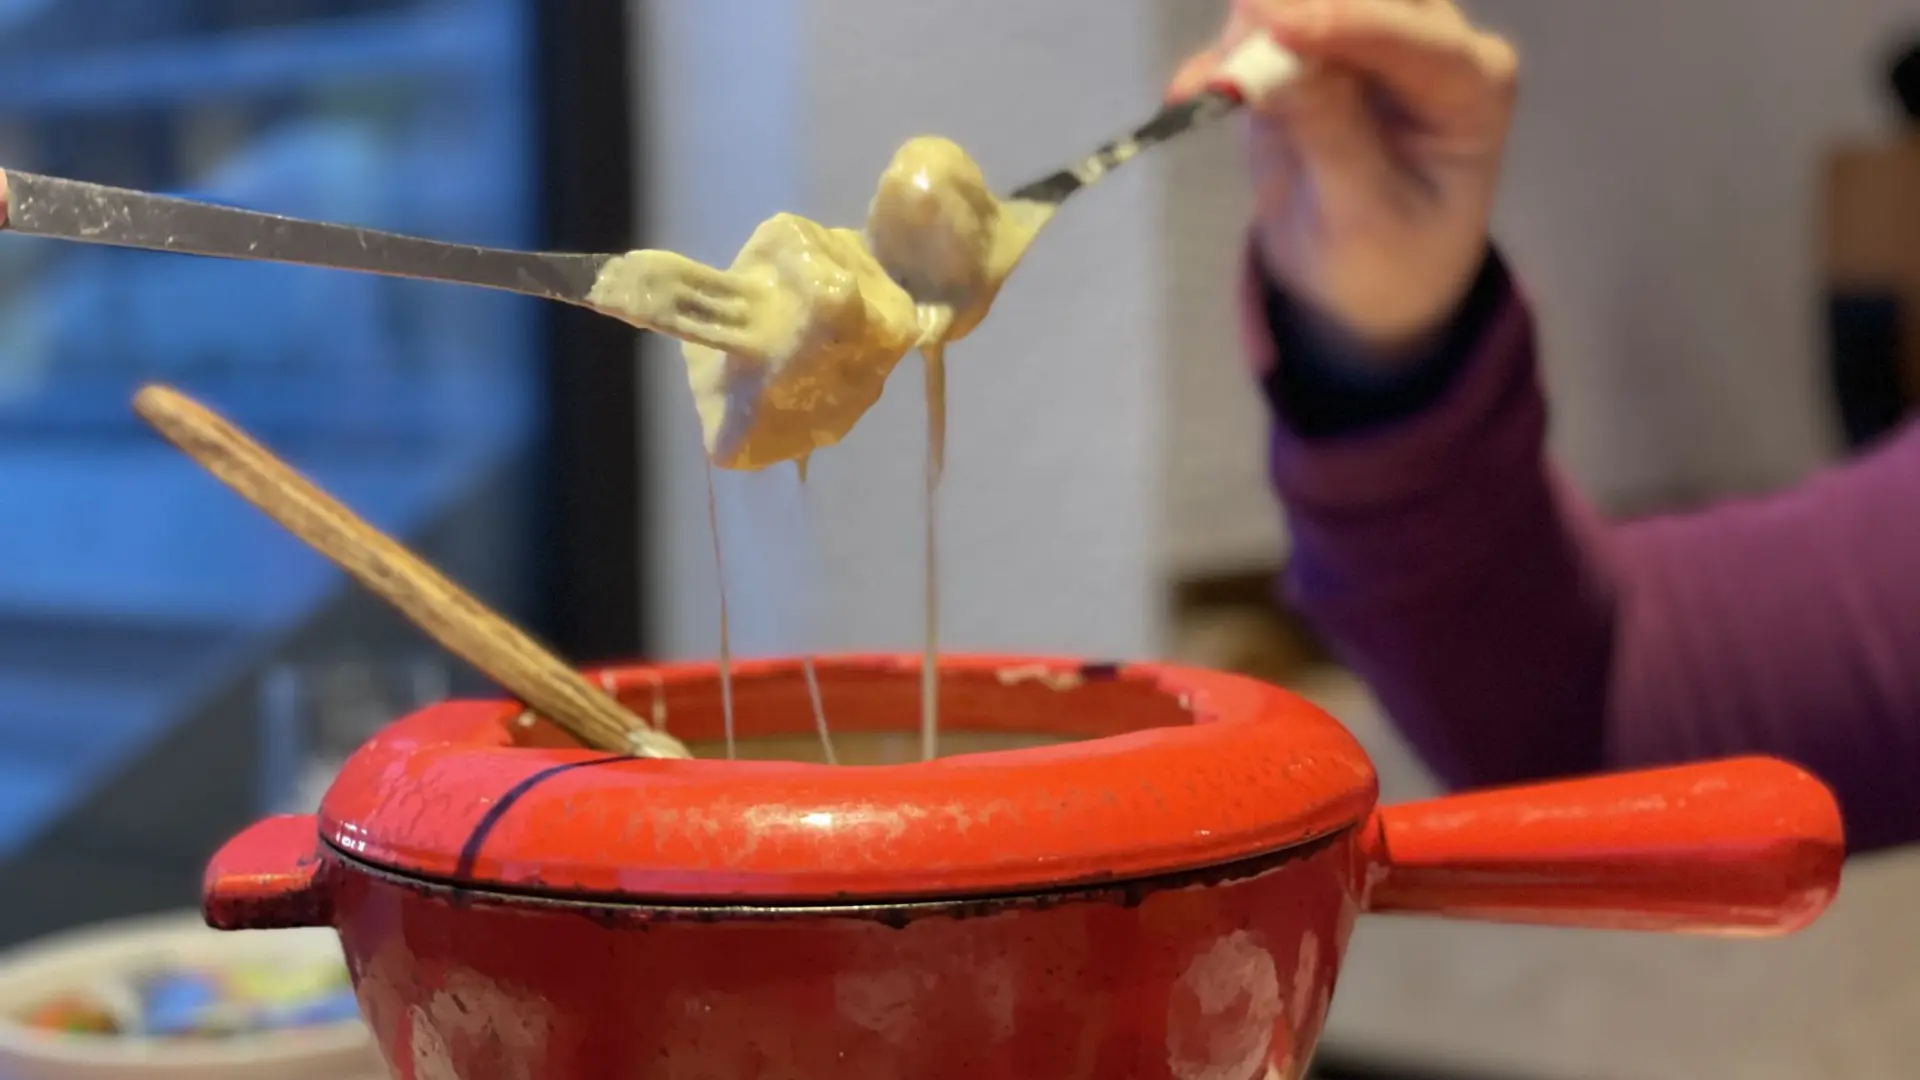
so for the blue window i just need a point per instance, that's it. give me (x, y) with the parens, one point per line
(132, 586)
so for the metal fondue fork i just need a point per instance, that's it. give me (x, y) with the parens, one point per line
(699, 299)
(1254, 68)
(96, 214)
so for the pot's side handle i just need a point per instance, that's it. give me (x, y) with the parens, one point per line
(1746, 847)
(272, 876)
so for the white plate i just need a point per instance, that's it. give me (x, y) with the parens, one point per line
(75, 960)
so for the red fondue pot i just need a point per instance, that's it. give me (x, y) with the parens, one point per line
(1169, 897)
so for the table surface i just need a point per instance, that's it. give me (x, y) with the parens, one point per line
(1840, 1001)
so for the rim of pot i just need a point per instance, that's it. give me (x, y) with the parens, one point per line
(1170, 769)
(889, 912)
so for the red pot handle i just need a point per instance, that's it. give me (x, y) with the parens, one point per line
(1746, 847)
(272, 876)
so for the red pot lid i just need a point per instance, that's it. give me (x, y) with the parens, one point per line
(1189, 769)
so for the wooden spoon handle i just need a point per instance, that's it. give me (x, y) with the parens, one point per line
(451, 616)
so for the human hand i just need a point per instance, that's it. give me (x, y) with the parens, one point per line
(1374, 173)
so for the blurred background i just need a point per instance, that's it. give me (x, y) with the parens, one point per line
(166, 653)
(1706, 200)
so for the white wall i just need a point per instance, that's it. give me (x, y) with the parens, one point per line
(1662, 201)
(1053, 485)
(1218, 515)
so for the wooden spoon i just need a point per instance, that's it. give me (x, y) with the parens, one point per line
(448, 614)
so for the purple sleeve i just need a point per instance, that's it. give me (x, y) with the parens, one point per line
(1514, 635)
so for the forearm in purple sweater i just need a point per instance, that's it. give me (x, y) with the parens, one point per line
(1514, 635)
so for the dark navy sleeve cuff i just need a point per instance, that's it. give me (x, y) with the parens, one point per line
(1321, 394)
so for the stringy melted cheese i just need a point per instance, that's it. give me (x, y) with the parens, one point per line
(821, 318)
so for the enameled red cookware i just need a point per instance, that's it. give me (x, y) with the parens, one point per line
(1167, 891)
